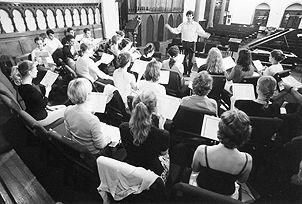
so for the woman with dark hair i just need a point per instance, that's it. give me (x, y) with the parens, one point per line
(123, 80)
(173, 63)
(144, 142)
(261, 107)
(244, 67)
(220, 166)
(34, 100)
(148, 52)
(275, 57)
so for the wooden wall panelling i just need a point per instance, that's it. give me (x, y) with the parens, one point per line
(19, 42)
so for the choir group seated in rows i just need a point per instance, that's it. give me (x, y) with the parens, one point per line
(145, 135)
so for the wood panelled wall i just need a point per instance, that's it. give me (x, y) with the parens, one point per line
(20, 23)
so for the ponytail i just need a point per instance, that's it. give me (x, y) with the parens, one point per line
(20, 71)
(140, 123)
(16, 76)
(172, 61)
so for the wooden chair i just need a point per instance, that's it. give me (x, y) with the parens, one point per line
(217, 89)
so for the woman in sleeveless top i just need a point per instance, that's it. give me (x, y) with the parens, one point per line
(219, 166)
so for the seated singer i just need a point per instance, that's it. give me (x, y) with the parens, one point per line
(189, 30)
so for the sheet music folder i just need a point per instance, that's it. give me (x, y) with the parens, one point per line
(210, 127)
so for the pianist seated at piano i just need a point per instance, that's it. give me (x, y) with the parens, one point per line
(85, 67)
(275, 57)
(261, 107)
(244, 67)
(81, 124)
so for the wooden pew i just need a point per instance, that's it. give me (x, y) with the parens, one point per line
(18, 184)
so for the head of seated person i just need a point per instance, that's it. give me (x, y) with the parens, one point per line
(124, 60)
(39, 41)
(173, 53)
(85, 50)
(50, 34)
(234, 129)
(69, 31)
(78, 90)
(87, 33)
(245, 59)
(116, 39)
(144, 105)
(148, 52)
(70, 39)
(266, 87)
(152, 72)
(276, 56)
(24, 72)
(202, 83)
(214, 63)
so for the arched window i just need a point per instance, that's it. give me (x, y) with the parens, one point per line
(150, 29)
(41, 20)
(19, 22)
(160, 28)
(170, 22)
(90, 16)
(261, 14)
(292, 16)
(60, 19)
(83, 17)
(6, 22)
(30, 20)
(76, 17)
(50, 19)
(97, 16)
(68, 18)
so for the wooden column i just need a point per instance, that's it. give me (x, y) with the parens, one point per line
(11, 16)
(25, 23)
(55, 16)
(46, 21)
(222, 12)
(211, 14)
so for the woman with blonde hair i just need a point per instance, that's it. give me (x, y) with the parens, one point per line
(143, 141)
(35, 101)
(213, 63)
(261, 107)
(81, 125)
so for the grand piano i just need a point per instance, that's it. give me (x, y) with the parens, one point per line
(287, 40)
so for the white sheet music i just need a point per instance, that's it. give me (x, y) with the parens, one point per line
(200, 61)
(105, 59)
(292, 81)
(180, 58)
(243, 91)
(139, 66)
(97, 102)
(258, 65)
(135, 55)
(112, 132)
(42, 54)
(49, 78)
(169, 106)
(164, 77)
(210, 127)
(228, 63)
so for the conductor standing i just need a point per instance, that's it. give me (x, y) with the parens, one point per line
(189, 30)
